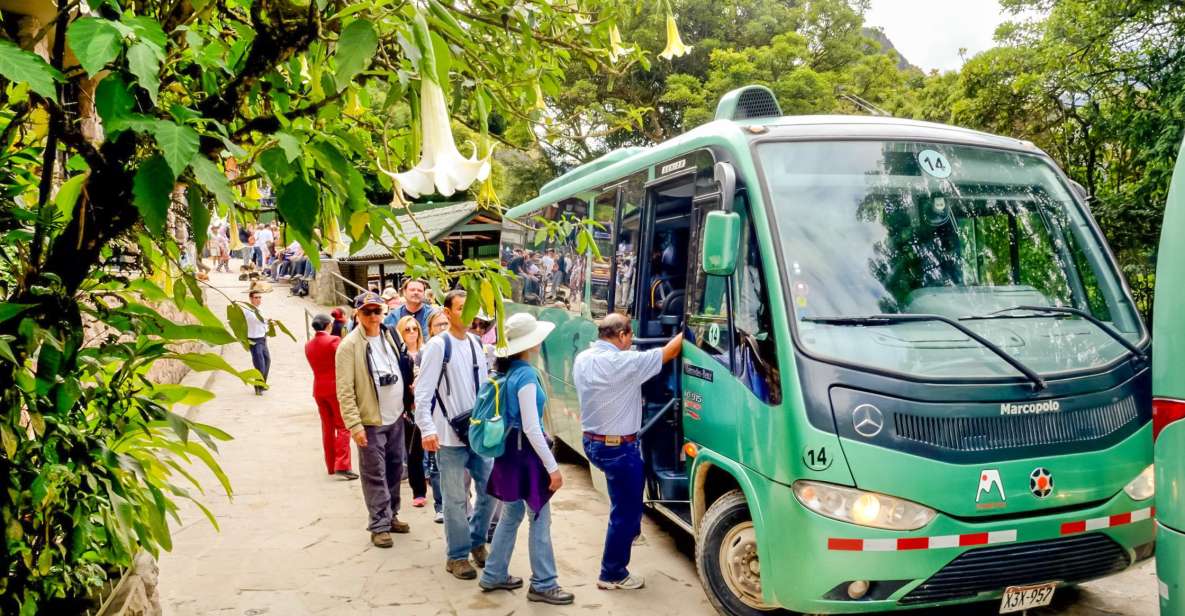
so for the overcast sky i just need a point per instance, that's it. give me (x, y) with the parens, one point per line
(929, 33)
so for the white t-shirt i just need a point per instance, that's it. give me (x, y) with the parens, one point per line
(262, 237)
(457, 392)
(385, 362)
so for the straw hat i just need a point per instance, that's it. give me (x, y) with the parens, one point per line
(523, 332)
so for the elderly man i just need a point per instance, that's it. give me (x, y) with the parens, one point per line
(608, 378)
(374, 375)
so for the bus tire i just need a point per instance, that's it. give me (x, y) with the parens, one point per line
(726, 558)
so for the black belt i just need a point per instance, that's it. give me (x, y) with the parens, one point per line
(611, 440)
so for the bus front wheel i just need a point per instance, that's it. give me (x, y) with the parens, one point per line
(726, 558)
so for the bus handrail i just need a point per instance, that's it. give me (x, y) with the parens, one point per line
(657, 416)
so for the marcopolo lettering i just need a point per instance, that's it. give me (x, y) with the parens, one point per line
(1032, 408)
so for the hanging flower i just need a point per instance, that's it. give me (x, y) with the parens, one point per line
(539, 103)
(616, 49)
(675, 47)
(442, 168)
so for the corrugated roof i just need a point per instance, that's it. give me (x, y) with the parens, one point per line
(436, 220)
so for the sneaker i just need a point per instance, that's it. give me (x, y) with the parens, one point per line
(439, 519)
(554, 596)
(418, 501)
(347, 475)
(400, 527)
(381, 540)
(461, 569)
(632, 582)
(480, 554)
(510, 583)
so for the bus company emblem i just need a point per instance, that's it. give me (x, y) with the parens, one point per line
(1034, 408)
(989, 482)
(1041, 482)
(672, 167)
(867, 420)
(698, 372)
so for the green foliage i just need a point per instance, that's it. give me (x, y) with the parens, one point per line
(22, 66)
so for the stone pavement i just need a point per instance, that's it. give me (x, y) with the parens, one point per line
(293, 540)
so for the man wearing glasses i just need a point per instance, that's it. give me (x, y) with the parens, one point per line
(374, 376)
(608, 378)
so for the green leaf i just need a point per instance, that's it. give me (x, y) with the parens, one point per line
(355, 48)
(95, 42)
(67, 197)
(148, 29)
(210, 176)
(238, 322)
(297, 203)
(23, 66)
(290, 144)
(151, 189)
(8, 310)
(205, 362)
(10, 443)
(181, 394)
(199, 217)
(144, 63)
(179, 143)
(472, 304)
(275, 164)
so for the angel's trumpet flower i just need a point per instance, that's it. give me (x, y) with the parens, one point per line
(675, 47)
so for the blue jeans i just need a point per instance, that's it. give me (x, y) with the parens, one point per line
(622, 465)
(433, 476)
(463, 535)
(543, 573)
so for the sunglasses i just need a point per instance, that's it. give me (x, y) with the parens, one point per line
(370, 312)
(409, 330)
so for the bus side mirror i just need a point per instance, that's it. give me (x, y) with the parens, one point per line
(722, 237)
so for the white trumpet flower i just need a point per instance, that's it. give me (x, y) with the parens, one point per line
(616, 49)
(675, 46)
(442, 168)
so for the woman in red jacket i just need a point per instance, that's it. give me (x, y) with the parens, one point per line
(320, 352)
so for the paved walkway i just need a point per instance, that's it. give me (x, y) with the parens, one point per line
(293, 540)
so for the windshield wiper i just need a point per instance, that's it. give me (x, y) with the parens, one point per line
(1047, 310)
(891, 319)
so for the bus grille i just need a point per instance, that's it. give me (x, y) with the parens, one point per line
(1071, 560)
(1008, 431)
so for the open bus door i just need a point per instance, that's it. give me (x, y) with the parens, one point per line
(1168, 405)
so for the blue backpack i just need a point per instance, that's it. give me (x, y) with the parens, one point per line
(487, 424)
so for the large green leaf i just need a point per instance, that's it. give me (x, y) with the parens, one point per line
(179, 143)
(210, 176)
(7, 310)
(144, 63)
(67, 196)
(199, 217)
(297, 203)
(95, 42)
(147, 29)
(22, 66)
(274, 163)
(151, 189)
(355, 48)
(113, 102)
(238, 321)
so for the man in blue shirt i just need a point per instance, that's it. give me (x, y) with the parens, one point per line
(608, 378)
(413, 295)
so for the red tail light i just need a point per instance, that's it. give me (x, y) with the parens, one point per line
(1165, 412)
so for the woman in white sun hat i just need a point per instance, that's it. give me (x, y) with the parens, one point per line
(526, 474)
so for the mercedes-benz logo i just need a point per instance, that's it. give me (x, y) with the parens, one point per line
(867, 420)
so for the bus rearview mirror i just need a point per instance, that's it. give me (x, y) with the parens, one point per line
(722, 237)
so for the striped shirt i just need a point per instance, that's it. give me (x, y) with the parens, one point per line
(609, 384)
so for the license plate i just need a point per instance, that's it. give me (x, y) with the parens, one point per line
(1021, 598)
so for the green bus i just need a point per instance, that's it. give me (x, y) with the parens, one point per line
(912, 375)
(1168, 405)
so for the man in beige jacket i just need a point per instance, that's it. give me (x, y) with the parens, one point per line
(374, 376)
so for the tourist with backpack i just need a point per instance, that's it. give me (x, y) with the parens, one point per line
(525, 473)
(452, 367)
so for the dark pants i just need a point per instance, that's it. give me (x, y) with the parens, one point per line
(381, 463)
(261, 358)
(335, 438)
(622, 465)
(415, 461)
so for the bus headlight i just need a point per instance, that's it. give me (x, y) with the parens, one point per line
(861, 507)
(1143, 486)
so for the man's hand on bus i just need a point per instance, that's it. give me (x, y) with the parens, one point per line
(557, 481)
(671, 349)
(431, 443)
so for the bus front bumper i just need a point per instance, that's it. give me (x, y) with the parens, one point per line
(950, 561)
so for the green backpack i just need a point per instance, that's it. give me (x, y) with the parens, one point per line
(487, 426)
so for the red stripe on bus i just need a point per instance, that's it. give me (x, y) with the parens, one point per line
(848, 545)
(913, 543)
(1070, 528)
(1121, 518)
(973, 539)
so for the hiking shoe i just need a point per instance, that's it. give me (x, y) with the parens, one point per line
(347, 475)
(381, 540)
(418, 501)
(439, 519)
(461, 569)
(554, 596)
(480, 554)
(510, 583)
(632, 582)
(400, 527)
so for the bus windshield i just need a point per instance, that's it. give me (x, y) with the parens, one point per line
(881, 228)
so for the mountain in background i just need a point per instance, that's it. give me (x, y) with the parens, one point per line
(879, 36)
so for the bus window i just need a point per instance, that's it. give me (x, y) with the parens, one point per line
(600, 270)
(632, 196)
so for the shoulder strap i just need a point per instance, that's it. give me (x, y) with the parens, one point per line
(448, 352)
(473, 348)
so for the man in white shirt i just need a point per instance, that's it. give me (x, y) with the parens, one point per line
(446, 391)
(261, 358)
(263, 236)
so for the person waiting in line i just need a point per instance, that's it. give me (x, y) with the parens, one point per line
(339, 323)
(608, 377)
(409, 330)
(437, 325)
(335, 438)
(526, 475)
(393, 300)
(413, 304)
(374, 376)
(446, 392)
(261, 357)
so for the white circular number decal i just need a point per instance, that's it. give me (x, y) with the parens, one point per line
(714, 335)
(934, 164)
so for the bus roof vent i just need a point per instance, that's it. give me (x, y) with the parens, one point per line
(747, 103)
(591, 166)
